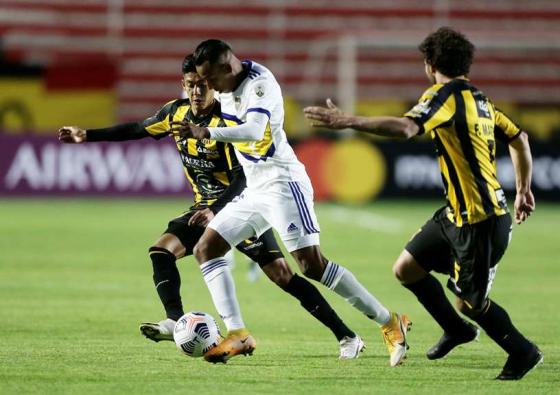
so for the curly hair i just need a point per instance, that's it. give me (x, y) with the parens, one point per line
(449, 51)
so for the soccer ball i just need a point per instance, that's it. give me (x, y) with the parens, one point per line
(195, 333)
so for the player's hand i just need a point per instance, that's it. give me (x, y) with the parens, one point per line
(330, 116)
(186, 129)
(524, 205)
(201, 217)
(71, 134)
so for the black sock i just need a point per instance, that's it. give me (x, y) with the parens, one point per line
(431, 295)
(312, 301)
(167, 281)
(496, 323)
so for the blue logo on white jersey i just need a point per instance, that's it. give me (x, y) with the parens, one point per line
(292, 228)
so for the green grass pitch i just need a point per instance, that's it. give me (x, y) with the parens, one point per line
(75, 282)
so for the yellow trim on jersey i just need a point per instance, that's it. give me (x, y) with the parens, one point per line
(222, 176)
(257, 148)
(424, 106)
(197, 195)
(191, 147)
(503, 122)
(181, 112)
(442, 115)
(215, 121)
(161, 127)
(228, 155)
(457, 269)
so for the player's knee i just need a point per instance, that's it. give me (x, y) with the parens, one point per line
(407, 270)
(399, 271)
(311, 269)
(209, 248)
(278, 272)
(200, 251)
(171, 244)
(157, 248)
(311, 262)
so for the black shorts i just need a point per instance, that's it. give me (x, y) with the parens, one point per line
(263, 250)
(468, 254)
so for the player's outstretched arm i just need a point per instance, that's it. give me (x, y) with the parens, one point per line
(122, 132)
(332, 117)
(520, 153)
(71, 135)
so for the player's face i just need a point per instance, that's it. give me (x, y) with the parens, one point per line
(430, 72)
(198, 92)
(216, 75)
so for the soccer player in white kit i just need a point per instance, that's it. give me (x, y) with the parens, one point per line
(278, 194)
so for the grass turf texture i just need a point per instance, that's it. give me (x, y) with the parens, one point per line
(75, 282)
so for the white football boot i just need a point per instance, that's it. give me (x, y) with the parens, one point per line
(351, 347)
(163, 330)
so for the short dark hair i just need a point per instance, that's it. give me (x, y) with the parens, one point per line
(188, 65)
(210, 50)
(449, 51)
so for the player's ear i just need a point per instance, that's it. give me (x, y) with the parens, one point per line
(226, 67)
(431, 68)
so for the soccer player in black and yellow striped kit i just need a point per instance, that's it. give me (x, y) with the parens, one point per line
(466, 238)
(216, 178)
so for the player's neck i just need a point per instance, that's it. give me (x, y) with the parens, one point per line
(443, 79)
(239, 73)
(203, 112)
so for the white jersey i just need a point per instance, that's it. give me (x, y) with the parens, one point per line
(271, 159)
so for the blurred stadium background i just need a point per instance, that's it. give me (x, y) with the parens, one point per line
(93, 63)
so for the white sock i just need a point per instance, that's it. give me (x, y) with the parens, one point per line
(230, 258)
(222, 289)
(343, 282)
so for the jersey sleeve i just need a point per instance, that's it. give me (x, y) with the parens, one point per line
(122, 132)
(158, 125)
(433, 109)
(264, 95)
(237, 183)
(505, 129)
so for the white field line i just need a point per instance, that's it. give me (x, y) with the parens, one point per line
(364, 219)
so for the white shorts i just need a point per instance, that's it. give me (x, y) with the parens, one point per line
(286, 206)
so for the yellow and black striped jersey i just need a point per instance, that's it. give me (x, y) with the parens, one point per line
(464, 125)
(210, 166)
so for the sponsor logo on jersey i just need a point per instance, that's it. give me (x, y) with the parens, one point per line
(200, 163)
(259, 90)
